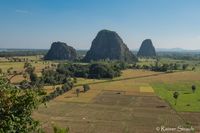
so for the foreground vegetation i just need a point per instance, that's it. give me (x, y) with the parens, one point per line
(16, 107)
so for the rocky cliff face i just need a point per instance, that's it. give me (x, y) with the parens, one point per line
(61, 51)
(108, 45)
(147, 49)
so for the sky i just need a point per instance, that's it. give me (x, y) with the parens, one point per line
(38, 23)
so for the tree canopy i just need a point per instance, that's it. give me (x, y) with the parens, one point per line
(16, 107)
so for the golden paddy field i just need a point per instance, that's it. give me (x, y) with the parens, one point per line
(124, 104)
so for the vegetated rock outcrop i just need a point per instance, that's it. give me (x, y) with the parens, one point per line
(108, 45)
(147, 49)
(61, 51)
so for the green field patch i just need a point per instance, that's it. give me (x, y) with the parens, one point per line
(187, 100)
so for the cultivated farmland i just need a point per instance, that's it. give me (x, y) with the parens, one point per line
(134, 102)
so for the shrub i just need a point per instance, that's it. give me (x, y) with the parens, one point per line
(86, 87)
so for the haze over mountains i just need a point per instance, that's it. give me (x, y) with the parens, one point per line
(108, 38)
(86, 49)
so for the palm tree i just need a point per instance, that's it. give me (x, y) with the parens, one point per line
(193, 88)
(175, 95)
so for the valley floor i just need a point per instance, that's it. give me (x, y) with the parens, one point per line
(130, 103)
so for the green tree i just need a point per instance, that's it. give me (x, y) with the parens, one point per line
(86, 87)
(16, 107)
(175, 95)
(33, 77)
(1, 71)
(193, 68)
(77, 92)
(185, 66)
(103, 70)
(176, 66)
(193, 88)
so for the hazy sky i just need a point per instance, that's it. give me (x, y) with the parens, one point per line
(37, 23)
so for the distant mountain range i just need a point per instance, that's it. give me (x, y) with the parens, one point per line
(157, 49)
(176, 50)
(19, 49)
(173, 50)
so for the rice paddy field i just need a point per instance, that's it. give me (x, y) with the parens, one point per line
(138, 101)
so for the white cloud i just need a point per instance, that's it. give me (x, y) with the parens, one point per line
(22, 11)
